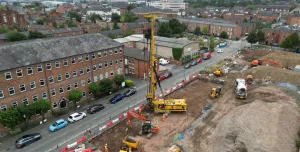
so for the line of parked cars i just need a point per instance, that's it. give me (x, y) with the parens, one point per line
(193, 63)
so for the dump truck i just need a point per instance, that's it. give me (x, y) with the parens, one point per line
(240, 88)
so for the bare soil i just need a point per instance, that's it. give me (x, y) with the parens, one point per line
(286, 59)
(250, 55)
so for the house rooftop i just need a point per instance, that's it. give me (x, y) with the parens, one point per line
(136, 53)
(113, 32)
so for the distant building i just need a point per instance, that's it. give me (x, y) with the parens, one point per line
(142, 11)
(239, 17)
(293, 19)
(138, 28)
(105, 13)
(284, 9)
(12, 16)
(180, 8)
(269, 16)
(276, 36)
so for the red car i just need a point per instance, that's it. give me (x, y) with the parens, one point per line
(165, 76)
(199, 60)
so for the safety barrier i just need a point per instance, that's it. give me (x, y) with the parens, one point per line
(70, 146)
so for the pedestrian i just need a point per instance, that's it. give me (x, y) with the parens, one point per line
(105, 147)
(140, 111)
(163, 117)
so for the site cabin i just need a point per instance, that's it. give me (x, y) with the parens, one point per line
(169, 105)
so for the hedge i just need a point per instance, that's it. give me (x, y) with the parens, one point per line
(177, 53)
(129, 83)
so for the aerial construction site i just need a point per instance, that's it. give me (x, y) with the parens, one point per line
(249, 102)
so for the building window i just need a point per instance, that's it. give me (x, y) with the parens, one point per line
(99, 55)
(106, 64)
(117, 61)
(74, 73)
(120, 50)
(101, 76)
(94, 67)
(34, 98)
(29, 71)
(116, 51)
(61, 90)
(1, 94)
(57, 64)
(105, 53)
(110, 52)
(83, 94)
(132, 69)
(100, 65)
(73, 60)
(88, 69)
(106, 74)
(19, 73)
(44, 95)
(3, 108)
(4, 18)
(132, 60)
(39, 68)
(53, 93)
(14, 104)
(8, 76)
(59, 77)
(66, 63)
(11, 91)
(90, 92)
(80, 59)
(89, 80)
(48, 66)
(51, 80)
(67, 75)
(42, 82)
(68, 87)
(95, 79)
(93, 56)
(55, 105)
(129, 70)
(111, 63)
(112, 73)
(82, 82)
(22, 88)
(32, 85)
(76, 85)
(81, 71)
(87, 57)
(25, 101)
(121, 60)
(129, 61)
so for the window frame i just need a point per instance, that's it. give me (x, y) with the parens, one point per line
(28, 70)
(59, 76)
(31, 84)
(87, 57)
(93, 56)
(81, 71)
(100, 65)
(88, 69)
(69, 86)
(52, 78)
(61, 88)
(53, 90)
(43, 80)
(66, 61)
(37, 98)
(82, 83)
(19, 71)
(75, 85)
(12, 104)
(110, 52)
(105, 53)
(39, 68)
(111, 63)
(6, 75)
(54, 103)
(67, 73)
(23, 86)
(13, 88)
(2, 94)
(80, 59)
(25, 100)
(48, 64)
(45, 94)
(73, 61)
(74, 73)
(57, 63)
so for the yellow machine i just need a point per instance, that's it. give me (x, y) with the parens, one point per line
(174, 148)
(215, 92)
(219, 72)
(160, 105)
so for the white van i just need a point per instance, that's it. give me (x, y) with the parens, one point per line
(163, 61)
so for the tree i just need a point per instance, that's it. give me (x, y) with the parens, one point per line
(111, 36)
(295, 40)
(251, 7)
(39, 21)
(128, 17)
(74, 15)
(26, 112)
(205, 30)
(260, 36)
(131, 6)
(75, 96)
(41, 107)
(4, 30)
(10, 118)
(106, 85)
(128, 32)
(212, 44)
(15, 36)
(164, 30)
(252, 38)
(119, 79)
(115, 17)
(175, 26)
(197, 31)
(95, 17)
(94, 88)
(287, 43)
(36, 35)
(224, 35)
(245, 20)
(116, 26)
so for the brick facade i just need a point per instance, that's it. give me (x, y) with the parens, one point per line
(276, 36)
(293, 19)
(9, 17)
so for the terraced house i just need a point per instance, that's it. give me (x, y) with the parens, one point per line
(50, 68)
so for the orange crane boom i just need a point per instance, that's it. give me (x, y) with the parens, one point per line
(132, 114)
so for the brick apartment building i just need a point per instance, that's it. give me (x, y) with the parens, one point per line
(62, 9)
(50, 68)
(10, 16)
(238, 18)
(142, 11)
(293, 19)
(268, 16)
(138, 28)
(276, 36)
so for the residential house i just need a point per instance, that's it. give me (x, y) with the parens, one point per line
(284, 9)
(113, 33)
(63, 32)
(64, 9)
(13, 16)
(238, 18)
(276, 36)
(105, 13)
(142, 11)
(293, 19)
(121, 5)
(91, 28)
(269, 16)
(138, 28)
(180, 8)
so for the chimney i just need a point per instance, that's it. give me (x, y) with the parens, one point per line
(66, 26)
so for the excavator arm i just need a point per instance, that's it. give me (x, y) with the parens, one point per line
(132, 114)
(260, 62)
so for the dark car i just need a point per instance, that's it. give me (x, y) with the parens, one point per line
(187, 66)
(95, 108)
(165, 76)
(27, 140)
(194, 63)
(116, 98)
(207, 107)
(129, 92)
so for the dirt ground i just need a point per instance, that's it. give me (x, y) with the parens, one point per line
(250, 55)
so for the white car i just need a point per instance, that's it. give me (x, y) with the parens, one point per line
(76, 117)
(163, 61)
(220, 51)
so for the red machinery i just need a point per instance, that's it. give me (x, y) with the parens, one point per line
(260, 62)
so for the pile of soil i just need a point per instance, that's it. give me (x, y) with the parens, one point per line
(286, 59)
(250, 55)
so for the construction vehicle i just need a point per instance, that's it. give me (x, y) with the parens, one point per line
(174, 148)
(219, 72)
(129, 143)
(240, 88)
(249, 79)
(148, 127)
(215, 92)
(159, 105)
(260, 62)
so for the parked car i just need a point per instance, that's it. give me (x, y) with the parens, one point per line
(129, 92)
(163, 61)
(116, 98)
(58, 124)
(187, 66)
(220, 51)
(95, 108)
(165, 76)
(76, 117)
(207, 107)
(206, 56)
(199, 60)
(194, 63)
(27, 140)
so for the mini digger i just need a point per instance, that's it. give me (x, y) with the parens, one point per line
(215, 92)
(219, 72)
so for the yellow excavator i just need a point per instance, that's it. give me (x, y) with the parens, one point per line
(129, 143)
(159, 105)
(219, 72)
(215, 92)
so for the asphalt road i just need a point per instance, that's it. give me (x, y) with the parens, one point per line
(74, 131)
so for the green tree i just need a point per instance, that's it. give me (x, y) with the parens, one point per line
(205, 30)
(39, 21)
(94, 88)
(4, 30)
(287, 43)
(36, 35)
(15, 36)
(260, 36)
(10, 118)
(74, 15)
(130, 7)
(128, 32)
(197, 31)
(252, 38)
(75, 96)
(26, 112)
(164, 30)
(251, 7)
(295, 40)
(115, 17)
(116, 26)
(106, 85)
(245, 20)
(111, 36)
(224, 35)
(212, 44)
(95, 17)
(119, 79)
(128, 17)
(175, 26)
(41, 107)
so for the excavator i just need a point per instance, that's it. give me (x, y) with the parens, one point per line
(159, 105)
(219, 72)
(260, 62)
(215, 92)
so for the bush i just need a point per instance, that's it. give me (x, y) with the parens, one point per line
(59, 113)
(298, 144)
(177, 53)
(129, 83)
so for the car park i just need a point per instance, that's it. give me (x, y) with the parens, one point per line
(116, 98)
(130, 92)
(27, 140)
(76, 116)
(165, 76)
(57, 125)
(207, 107)
(187, 66)
(95, 108)
(199, 60)
(194, 63)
